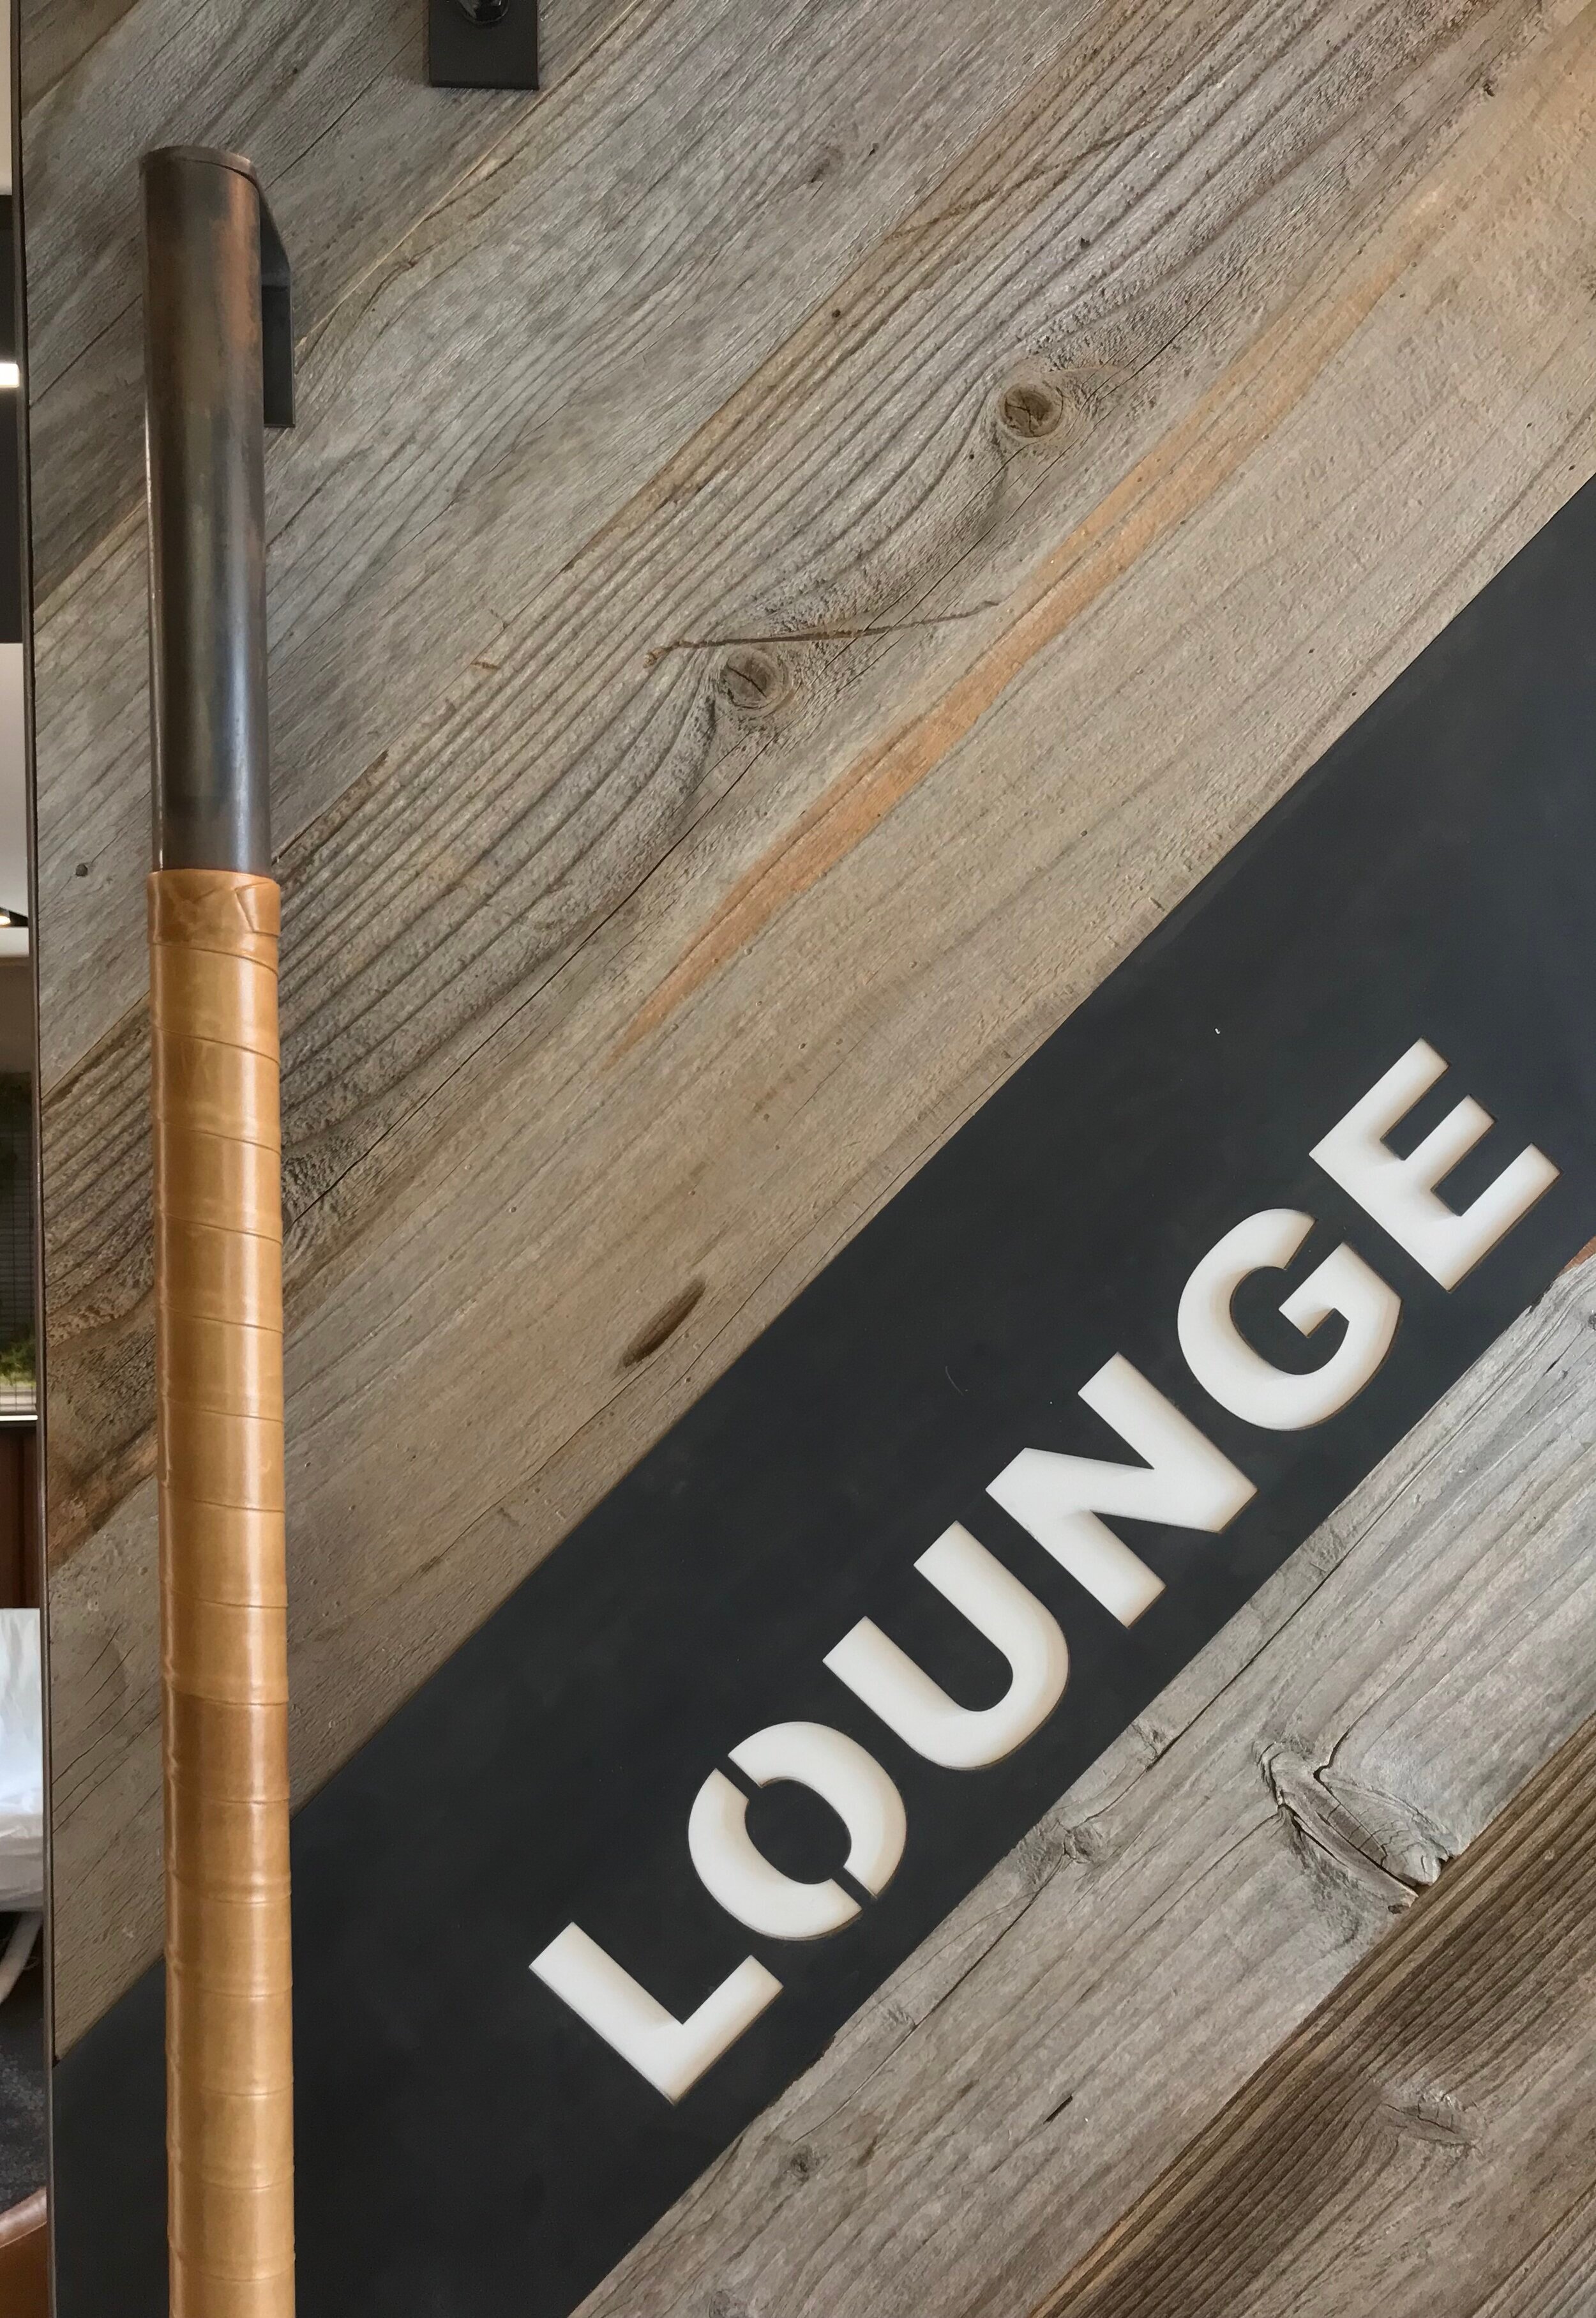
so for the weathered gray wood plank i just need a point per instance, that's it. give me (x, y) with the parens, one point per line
(1556, 2279)
(330, 104)
(1041, 2062)
(1415, 2139)
(1298, 530)
(54, 38)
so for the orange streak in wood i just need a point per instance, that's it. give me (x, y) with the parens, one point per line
(1190, 464)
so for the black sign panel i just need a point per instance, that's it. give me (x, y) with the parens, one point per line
(859, 1620)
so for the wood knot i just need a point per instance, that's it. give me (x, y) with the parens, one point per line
(1087, 1842)
(1031, 409)
(754, 681)
(1381, 1845)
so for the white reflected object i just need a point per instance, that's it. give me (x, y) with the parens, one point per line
(1186, 1481)
(1400, 1193)
(9, 374)
(843, 1774)
(671, 2053)
(1239, 1378)
(19, 1947)
(919, 1709)
(22, 1763)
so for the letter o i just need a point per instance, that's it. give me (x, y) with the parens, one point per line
(842, 1774)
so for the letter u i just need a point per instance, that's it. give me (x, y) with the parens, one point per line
(919, 1709)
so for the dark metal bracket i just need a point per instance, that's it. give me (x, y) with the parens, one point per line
(481, 43)
(276, 324)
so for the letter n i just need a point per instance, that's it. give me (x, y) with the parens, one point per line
(1185, 1481)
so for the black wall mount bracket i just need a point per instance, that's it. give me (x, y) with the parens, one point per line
(481, 43)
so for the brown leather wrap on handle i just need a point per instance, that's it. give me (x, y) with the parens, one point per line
(218, 1292)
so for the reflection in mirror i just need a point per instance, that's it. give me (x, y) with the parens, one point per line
(23, 2072)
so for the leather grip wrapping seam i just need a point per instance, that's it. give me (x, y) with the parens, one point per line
(219, 1361)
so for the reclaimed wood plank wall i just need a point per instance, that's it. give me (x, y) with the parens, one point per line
(802, 543)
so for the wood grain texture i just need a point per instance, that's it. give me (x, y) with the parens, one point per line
(1424, 2133)
(1556, 2279)
(1265, 490)
(1039, 2065)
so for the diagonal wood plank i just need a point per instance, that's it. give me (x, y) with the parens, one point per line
(1422, 2131)
(53, 39)
(599, 1197)
(334, 108)
(1557, 2278)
